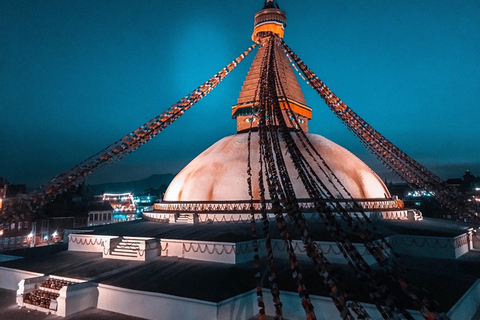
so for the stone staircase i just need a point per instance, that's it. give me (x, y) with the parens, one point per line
(131, 248)
(414, 215)
(58, 296)
(186, 218)
(418, 216)
(128, 248)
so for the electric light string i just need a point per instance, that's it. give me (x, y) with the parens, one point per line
(312, 187)
(290, 201)
(270, 260)
(390, 155)
(377, 252)
(393, 270)
(274, 186)
(119, 149)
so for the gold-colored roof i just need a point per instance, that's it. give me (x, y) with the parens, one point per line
(287, 78)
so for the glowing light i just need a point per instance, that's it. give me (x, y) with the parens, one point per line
(30, 235)
(421, 193)
(45, 238)
(54, 234)
(1, 232)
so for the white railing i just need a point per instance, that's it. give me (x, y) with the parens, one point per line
(306, 205)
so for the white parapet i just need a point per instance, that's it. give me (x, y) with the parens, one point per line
(432, 247)
(66, 300)
(234, 253)
(89, 242)
(237, 217)
(222, 252)
(151, 305)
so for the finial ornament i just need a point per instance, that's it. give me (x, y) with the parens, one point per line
(270, 18)
(270, 4)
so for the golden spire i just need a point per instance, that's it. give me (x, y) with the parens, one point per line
(270, 19)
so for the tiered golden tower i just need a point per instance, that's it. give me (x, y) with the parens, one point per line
(270, 20)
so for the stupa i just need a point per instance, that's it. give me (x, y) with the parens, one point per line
(214, 187)
(213, 271)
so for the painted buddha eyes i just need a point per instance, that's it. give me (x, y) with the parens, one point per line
(299, 120)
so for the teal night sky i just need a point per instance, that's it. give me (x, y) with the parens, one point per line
(78, 75)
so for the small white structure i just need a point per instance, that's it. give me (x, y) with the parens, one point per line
(131, 248)
(56, 295)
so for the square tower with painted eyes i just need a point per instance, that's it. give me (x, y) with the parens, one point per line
(270, 20)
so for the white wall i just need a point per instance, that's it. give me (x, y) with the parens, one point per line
(153, 305)
(77, 297)
(245, 307)
(222, 252)
(467, 306)
(329, 249)
(431, 247)
(9, 278)
(89, 243)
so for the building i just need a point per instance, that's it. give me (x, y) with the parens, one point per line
(23, 228)
(111, 208)
(468, 185)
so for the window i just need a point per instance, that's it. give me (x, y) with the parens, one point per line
(19, 240)
(20, 225)
(25, 225)
(24, 239)
(6, 226)
(12, 241)
(12, 226)
(5, 241)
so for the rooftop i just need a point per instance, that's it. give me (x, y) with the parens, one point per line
(216, 282)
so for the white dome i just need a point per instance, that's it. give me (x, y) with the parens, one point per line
(220, 172)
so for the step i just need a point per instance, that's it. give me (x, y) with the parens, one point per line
(131, 241)
(125, 250)
(124, 254)
(38, 308)
(128, 246)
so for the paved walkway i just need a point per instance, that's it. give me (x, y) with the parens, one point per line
(9, 310)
